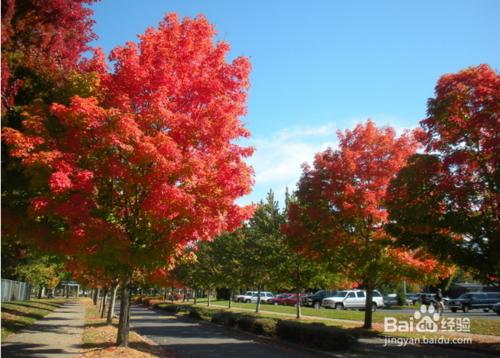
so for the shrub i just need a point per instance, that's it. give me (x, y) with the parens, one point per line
(170, 308)
(262, 326)
(147, 300)
(154, 301)
(151, 300)
(265, 326)
(137, 299)
(195, 314)
(245, 323)
(199, 313)
(225, 318)
(314, 334)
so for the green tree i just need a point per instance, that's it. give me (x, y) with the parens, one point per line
(265, 255)
(41, 271)
(227, 256)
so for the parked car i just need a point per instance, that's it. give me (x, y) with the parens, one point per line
(474, 300)
(391, 300)
(352, 299)
(496, 308)
(425, 298)
(265, 297)
(315, 299)
(247, 296)
(412, 298)
(279, 299)
(291, 300)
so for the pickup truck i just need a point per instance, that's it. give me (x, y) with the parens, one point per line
(353, 299)
(316, 299)
(246, 297)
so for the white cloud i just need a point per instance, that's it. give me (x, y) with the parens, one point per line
(329, 129)
(279, 156)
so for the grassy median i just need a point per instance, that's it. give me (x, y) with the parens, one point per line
(481, 326)
(17, 315)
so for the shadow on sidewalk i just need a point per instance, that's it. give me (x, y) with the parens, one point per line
(29, 350)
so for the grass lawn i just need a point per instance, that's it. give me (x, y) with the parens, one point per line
(99, 339)
(478, 325)
(17, 315)
(353, 315)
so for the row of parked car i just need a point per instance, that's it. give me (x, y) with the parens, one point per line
(332, 299)
(346, 299)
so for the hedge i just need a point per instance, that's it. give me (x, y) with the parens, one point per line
(148, 300)
(315, 335)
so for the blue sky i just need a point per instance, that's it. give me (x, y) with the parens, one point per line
(320, 66)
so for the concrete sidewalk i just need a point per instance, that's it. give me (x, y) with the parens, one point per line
(59, 334)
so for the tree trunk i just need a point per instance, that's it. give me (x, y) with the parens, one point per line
(124, 322)
(103, 308)
(299, 313)
(195, 296)
(111, 308)
(67, 291)
(208, 300)
(100, 302)
(257, 307)
(230, 298)
(368, 308)
(40, 292)
(172, 295)
(96, 295)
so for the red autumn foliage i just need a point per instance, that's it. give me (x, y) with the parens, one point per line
(48, 37)
(463, 126)
(155, 161)
(342, 197)
(339, 214)
(446, 199)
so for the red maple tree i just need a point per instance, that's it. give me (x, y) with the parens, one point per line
(446, 199)
(339, 213)
(149, 162)
(42, 38)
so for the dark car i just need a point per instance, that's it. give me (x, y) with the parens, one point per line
(391, 300)
(412, 298)
(496, 308)
(316, 299)
(474, 300)
(425, 298)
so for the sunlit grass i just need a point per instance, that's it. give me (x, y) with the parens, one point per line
(17, 315)
(343, 318)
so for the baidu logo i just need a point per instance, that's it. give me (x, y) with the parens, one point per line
(425, 319)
